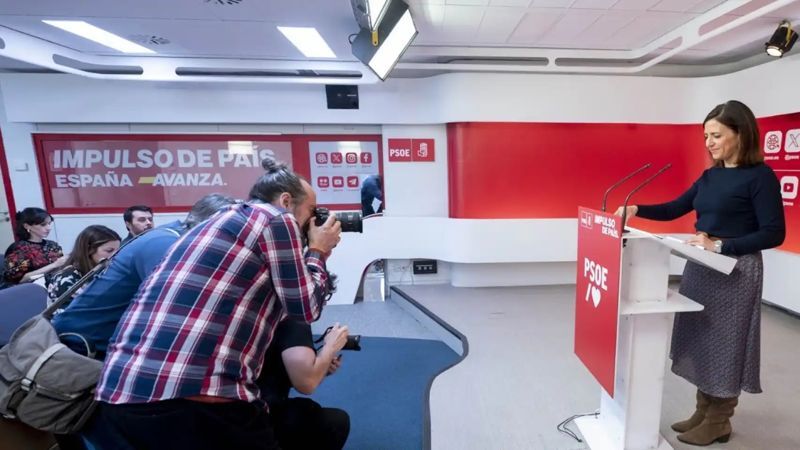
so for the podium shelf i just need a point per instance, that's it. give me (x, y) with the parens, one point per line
(718, 262)
(675, 303)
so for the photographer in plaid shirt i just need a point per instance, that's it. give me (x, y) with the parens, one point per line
(181, 370)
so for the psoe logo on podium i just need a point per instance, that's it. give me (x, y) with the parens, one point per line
(772, 141)
(586, 219)
(597, 281)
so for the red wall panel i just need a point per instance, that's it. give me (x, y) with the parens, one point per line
(547, 170)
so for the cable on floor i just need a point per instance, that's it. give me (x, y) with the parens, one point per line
(562, 427)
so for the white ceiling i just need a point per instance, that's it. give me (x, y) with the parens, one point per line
(610, 36)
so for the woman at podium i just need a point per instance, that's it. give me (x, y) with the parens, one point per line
(739, 213)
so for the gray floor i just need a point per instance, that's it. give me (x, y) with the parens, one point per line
(521, 377)
(380, 319)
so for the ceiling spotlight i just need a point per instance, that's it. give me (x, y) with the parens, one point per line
(381, 49)
(782, 40)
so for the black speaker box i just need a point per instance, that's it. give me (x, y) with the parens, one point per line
(342, 96)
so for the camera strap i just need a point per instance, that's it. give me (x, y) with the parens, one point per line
(325, 333)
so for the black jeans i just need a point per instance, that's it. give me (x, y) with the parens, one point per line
(302, 424)
(181, 424)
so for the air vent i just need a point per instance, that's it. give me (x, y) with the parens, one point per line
(225, 2)
(102, 69)
(256, 73)
(496, 61)
(148, 39)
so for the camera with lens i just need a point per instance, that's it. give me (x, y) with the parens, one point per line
(353, 340)
(353, 343)
(350, 220)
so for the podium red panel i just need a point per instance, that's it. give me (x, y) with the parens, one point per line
(597, 293)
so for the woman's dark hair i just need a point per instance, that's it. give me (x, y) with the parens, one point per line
(739, 118)
(30, 216)
(278, 179)
(87, 243)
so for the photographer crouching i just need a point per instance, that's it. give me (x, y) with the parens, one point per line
(292, 361)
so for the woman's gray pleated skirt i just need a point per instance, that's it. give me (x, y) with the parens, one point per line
(719, 349)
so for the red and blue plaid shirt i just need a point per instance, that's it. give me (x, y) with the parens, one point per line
(202, 321)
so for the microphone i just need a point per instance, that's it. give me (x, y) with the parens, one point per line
(636, 189)
(615, 185)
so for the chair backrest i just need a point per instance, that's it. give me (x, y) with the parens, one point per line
(18, 304)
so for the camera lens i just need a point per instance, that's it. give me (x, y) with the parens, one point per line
(350, 220)
(353, 343)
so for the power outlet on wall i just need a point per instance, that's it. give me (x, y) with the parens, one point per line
(424, 266)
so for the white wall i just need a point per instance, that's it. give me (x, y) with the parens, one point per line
(406, 108)
(416, 188)
(434, 100)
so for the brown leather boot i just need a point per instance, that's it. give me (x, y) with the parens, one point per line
(698, 416)
(716, 427)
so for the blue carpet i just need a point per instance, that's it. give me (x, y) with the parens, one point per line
(384, 388)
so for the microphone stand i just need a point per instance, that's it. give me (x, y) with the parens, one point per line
(615, 185)
(636, 189)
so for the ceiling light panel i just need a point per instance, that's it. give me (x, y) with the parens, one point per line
(390, 51)
(308, 41)
(99, 35)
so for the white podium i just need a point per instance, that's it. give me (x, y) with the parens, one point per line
(631, 419)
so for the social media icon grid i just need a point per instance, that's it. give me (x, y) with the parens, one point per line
(337, 171)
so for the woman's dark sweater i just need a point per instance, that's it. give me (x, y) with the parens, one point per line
(740, 205)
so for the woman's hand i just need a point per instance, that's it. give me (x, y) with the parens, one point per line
(631, 212)
(701, 240)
